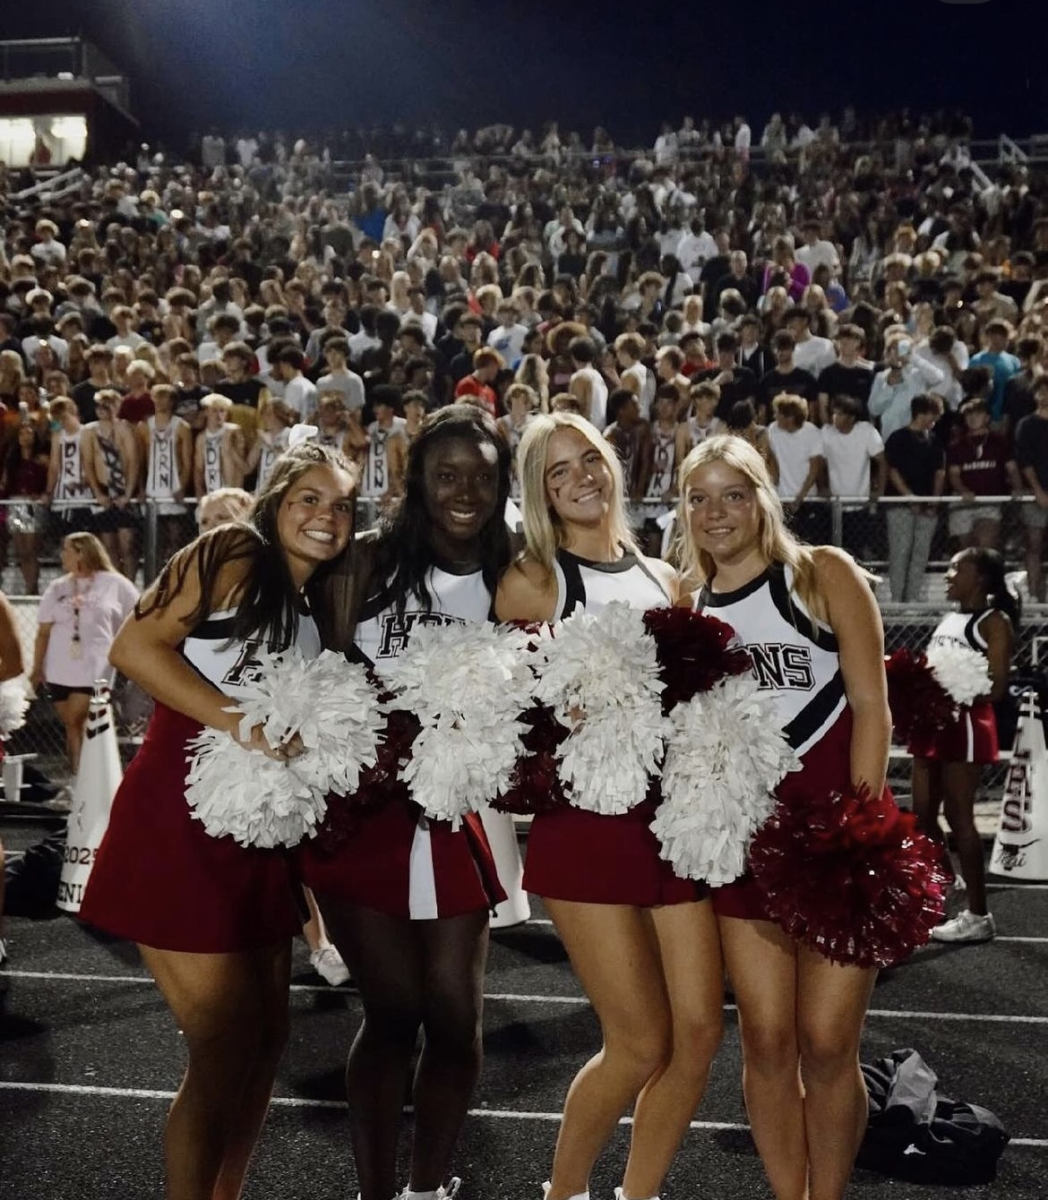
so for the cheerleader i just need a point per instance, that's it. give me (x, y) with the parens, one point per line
(947, 767)
(810, 622)
(214, 920)
(642, 942)
(406, 899)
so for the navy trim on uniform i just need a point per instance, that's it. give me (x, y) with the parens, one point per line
(971, 631)
(795, 616)
(574, 588)
(814, 716)
(214, 630)
(712, 599)
(628, 560)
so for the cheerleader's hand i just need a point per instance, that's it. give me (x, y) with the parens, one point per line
(285, 752)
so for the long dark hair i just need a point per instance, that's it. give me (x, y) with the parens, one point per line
(404, 554)
(269, 605)
(991, 566)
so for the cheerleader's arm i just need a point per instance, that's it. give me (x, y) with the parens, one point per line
(856, 623)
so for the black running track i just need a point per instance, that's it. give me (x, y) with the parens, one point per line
(89, 1058)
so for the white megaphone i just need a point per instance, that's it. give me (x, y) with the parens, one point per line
(97, 779)
(502, 837)
(1020, 850)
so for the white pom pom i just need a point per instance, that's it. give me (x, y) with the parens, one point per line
(331, 706)
(467, 684)
(600, 675)
(962, 673)
(252, 798)
(14, 704)
(725, 756)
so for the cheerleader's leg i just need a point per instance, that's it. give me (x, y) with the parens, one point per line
(831, 1007)
(960, 784)
(762, 965)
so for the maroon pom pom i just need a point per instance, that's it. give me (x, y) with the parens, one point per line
(920, 706)
(850, 876)
(535, 786)
(379, 784)
(695, 652)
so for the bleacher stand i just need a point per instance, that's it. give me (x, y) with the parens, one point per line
(866, 264)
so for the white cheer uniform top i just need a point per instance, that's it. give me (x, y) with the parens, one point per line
(455, 599)
(795, 658)
(233, 666)
(961, 629)
(591, 586)
(381, 636)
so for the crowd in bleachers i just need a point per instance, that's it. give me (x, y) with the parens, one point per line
(865, 304)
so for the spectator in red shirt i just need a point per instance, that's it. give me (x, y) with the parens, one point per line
(137, 405)
(979, 464)
(478, 387)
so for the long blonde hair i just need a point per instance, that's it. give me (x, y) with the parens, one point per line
(777, 544)
(544, 533)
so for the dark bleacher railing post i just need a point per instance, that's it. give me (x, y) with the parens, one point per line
(150, 565)
(836, 521)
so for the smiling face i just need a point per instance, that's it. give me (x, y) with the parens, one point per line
(724, 515)
(580, 487)
(963, 580)
(461, 486)
(315, 519)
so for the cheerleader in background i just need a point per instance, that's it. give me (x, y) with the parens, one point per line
(642, 942)
(406, 899)
(947, 768)
(11, 666)
(214, 920)
(810, 621)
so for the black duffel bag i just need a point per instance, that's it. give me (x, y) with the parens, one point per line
(916, 1134)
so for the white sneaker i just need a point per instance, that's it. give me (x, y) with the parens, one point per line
(966, 927)
(329, 966)
(579, 1196)
(442, 1193)
(621, 1195)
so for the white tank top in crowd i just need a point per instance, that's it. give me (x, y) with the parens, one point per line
(455, 599)
(162, 477)
(233, 666)
(214, 441)
(591, 586)
(961, 629)
(71, 484)
(376, 473)
(513, 434)
(699, 433)
(795, 659)
(663, 461)
(267, 460)
(598, 413)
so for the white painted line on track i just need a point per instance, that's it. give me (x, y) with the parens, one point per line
(529, 998)
(491, 1114)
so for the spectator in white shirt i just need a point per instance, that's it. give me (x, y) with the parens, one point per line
(797, 445)
(299, 393)
(816, 251)
(743, 137)
(894, 388)
(945, 351)
(855, 469)
(810, 353)
(508, 336)
(123, 318)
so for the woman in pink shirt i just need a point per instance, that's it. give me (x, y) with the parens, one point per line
(79, 615)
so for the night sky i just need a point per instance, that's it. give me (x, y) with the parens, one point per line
(302, 65)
